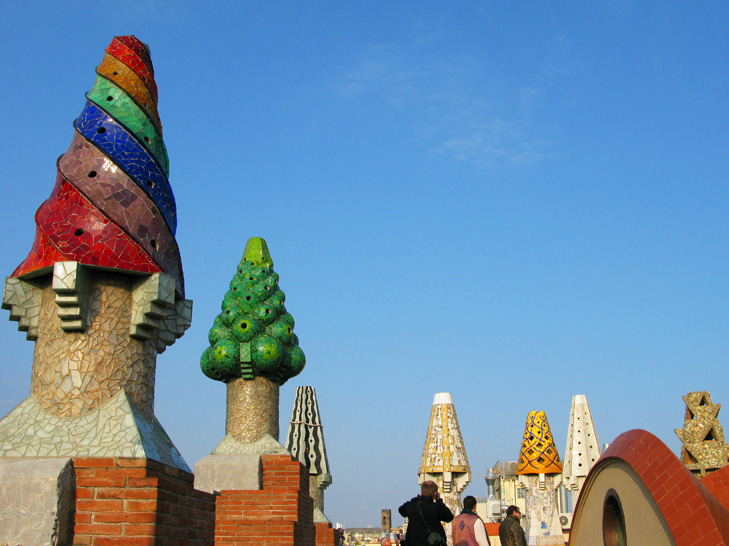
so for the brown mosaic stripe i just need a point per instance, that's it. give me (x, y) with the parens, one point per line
(123, 201)
(123, 76)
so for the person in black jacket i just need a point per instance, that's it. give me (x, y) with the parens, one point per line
(424, 513)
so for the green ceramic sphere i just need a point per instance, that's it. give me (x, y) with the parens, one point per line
(265, 313)
(245, 329)
(218, 331)
(208, 367)
(297, 360)
(226, 354)
(282, 331)
(267, 353)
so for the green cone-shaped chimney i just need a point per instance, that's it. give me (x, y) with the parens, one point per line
(254, 335)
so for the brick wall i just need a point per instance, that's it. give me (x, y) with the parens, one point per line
(280, 514)
(139, 502)
(326, 535)
(718, 484)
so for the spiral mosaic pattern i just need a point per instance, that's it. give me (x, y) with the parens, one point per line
(538, 452)
(112, 205)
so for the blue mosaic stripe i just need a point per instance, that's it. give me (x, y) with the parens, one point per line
(115, 141)
(122, 107)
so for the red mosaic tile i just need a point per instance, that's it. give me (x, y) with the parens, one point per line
(80, 232)
(41, 257)
(126, 55)
(139, 49)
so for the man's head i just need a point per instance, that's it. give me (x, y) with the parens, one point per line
(513, 511)
(428, 489)
(385, 541)
(469, 503)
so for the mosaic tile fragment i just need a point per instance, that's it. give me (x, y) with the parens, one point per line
(70, 283)
(118, 429)
(23, 299)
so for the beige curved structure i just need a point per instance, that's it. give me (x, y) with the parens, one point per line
(615, 501)
(640, 493)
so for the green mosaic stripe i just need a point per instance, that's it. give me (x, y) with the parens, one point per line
(120, 106)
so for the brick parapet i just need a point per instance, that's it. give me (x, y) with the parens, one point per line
(139, 502)
(280, 514)
(326, 535)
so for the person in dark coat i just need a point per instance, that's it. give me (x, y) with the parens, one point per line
(511, 532)
(433, 512)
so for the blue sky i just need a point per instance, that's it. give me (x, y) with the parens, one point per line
(512, 202)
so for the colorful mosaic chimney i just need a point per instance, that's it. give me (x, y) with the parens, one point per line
(703, 447)
(254, 350)
(102, 291)
(539, 471)
(538, 452)
(305, 441)
(444, 455)
(583, 448)
(112, 205)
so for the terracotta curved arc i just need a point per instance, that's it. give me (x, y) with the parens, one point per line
(693, 515)
(123, 201)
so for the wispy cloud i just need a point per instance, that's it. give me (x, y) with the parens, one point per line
(456, 104)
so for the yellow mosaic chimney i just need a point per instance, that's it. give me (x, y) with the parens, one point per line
(444, 455)
(538, 452)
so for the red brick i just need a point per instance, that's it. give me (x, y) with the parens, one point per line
(82, 540)
(98, 528)
(83, 493)
(134, 463)
(140, 505)
(83, 517)
(93, 462)
(98, 505)
(124, 541)
(101, 481)
(139, 529)
(125, 493)
(121, 472)
(125, 517)
(142, 482)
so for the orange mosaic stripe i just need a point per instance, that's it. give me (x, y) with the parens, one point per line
(136, 63)
(124, 77)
